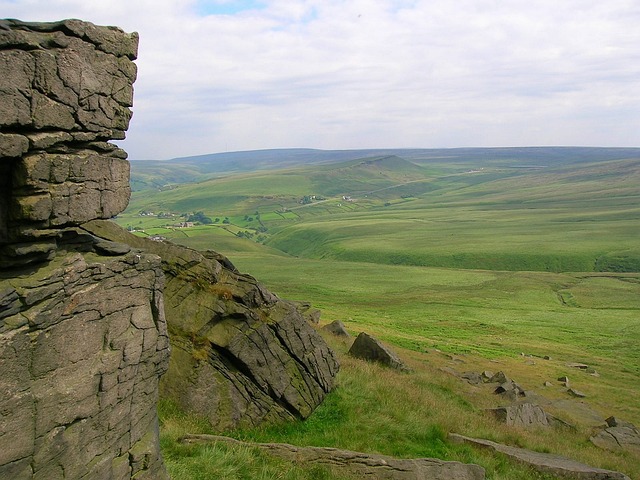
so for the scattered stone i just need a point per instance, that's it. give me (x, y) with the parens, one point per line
(544, 462)
(510, 390)
(619, 435)
(486, 376)
(546, 357)
(547, 384)
(499, 377)
(369, 348)
(337, 328)
(564, 380)
(521, 415)
(473, 378)
(581, 366)
(576, 393)
(360, 465)
(616, 422)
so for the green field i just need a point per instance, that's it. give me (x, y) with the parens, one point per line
(472, 262)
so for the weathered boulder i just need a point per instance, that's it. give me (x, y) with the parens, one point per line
(336, 328)
(361, 465)
(240, 355)
(369, 348)
(618, 435)
(66, 89)
(544, 462)
(83, 341)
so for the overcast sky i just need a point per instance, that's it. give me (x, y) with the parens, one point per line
(218, 75)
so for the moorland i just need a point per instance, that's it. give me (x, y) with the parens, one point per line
(460, 259)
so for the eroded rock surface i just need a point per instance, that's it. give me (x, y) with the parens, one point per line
(362, 465)
(83, 342)
(240, 355)
(619, 435)
(544, 462)
(66, 89)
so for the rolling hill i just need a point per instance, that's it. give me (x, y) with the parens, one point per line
(500, 209)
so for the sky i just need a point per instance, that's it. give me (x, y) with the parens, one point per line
(222, 75)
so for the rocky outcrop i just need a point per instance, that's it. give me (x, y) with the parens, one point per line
(83, 337)
(240, 355)
(544, 462)
(360, 465)
(369, 348)
(66, 89)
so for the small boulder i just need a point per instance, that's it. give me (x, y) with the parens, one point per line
(336, 328)
(499, 377)
(576, 393)
(521, 415)
(369, 348)
(581, 366)
(473, 378)
(510, 390)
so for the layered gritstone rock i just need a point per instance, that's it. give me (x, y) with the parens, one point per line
(83, 336)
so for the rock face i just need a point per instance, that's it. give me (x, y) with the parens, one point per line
(369, 348)
(65, 88)
(83, 337)
(82, 344)
(361, 465)
(240, 355)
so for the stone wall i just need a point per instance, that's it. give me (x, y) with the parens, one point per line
(83, 337)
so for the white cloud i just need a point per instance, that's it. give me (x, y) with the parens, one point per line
(373, 73)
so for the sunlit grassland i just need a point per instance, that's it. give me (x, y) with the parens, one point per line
(487, 314)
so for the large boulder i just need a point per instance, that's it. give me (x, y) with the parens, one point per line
(240, 355)
(83, 341)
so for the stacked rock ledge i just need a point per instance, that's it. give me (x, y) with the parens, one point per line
(66, 89)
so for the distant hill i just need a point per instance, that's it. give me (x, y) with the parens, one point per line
(156, 174)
